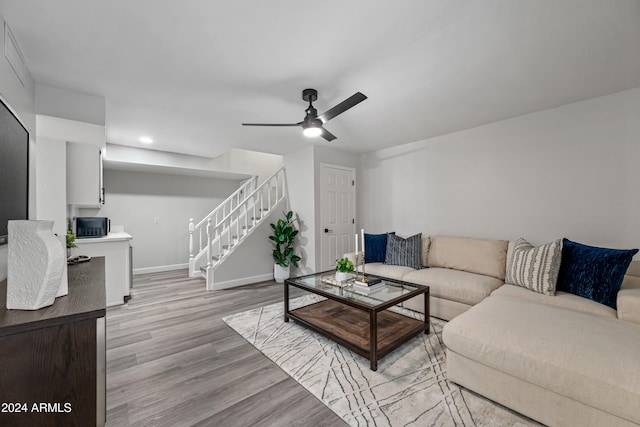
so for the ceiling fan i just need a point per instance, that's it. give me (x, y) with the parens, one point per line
(312, 123)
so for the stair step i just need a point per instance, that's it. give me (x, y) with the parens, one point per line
(247, 227)
(227, 246)
(255, 218)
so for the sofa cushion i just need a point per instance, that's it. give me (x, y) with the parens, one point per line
(588, 358)
(426, 242)
(390, 271)
(535, 267)
(481, 256)
(406, 252)
(561, 299)
(375, 247)
(628, 300)
(593, 272)
(455, 285)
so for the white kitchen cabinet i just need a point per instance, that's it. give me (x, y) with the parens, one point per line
(115, 248)
(85, 186)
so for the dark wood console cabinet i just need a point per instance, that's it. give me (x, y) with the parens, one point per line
(53, 360)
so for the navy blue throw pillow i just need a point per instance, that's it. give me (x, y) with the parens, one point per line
(375, 247)
(592, 272)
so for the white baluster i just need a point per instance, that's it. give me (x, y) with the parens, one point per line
(209, 242)
(220, 230)
(254, 212)
(246, 220)
(200, 239)
(269, 194)
(284, 183)
(238, 224)
(191, 230)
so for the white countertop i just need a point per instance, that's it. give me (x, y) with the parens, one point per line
(111, 237)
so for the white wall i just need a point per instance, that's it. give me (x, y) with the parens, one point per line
(252, 261)
(135, 199)
(252, 163)
(123, 153)
(301, 195)
(234, 161)
(568, 172)
(51, 181)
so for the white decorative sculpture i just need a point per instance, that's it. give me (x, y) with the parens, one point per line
(35, 267)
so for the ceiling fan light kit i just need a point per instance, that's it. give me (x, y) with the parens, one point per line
(312, 131)
(312, 124)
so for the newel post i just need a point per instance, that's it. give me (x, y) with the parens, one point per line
(192, 228)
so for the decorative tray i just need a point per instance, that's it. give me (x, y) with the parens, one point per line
(78, 259)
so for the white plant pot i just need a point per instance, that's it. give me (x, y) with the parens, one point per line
(280, 273)
(341, 277)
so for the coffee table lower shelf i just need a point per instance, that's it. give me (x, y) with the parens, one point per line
(352, 328)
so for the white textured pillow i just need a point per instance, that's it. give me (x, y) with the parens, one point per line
(535, 267)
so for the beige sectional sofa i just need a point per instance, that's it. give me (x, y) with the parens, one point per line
(562, 360)
(462, 272)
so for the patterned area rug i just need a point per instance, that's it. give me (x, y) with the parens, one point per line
(408, 389)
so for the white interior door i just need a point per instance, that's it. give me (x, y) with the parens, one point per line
(338, 213)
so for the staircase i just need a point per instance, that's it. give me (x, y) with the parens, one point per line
(224, 229)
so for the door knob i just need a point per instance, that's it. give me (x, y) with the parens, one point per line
(326, 230)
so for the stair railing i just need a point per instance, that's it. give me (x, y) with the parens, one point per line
(224, 234)
(234, 200)
(254, 203)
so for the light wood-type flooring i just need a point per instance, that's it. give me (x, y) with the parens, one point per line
(171, 361)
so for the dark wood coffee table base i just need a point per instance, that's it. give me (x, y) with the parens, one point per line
(370, 334)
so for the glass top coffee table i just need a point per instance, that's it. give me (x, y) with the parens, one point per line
(359, 320)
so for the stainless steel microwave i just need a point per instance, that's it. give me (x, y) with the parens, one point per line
(92, 226)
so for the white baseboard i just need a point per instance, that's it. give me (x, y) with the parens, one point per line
(159, 268)
(242, 281)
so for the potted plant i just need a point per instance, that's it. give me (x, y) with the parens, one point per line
(343, 267)
(71, 242)
(284, 235)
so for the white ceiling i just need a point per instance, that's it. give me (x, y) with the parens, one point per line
(188, 72)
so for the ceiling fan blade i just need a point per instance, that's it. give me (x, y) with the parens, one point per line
(327, 135)
(272, 124)
(342, 107)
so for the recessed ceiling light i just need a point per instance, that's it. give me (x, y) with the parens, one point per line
(146, 140)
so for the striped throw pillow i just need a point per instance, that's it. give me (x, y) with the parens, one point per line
(535, 267)
(405, 252)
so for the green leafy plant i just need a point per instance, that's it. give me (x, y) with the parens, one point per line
(284, 236)
(71, 239)
(344, 265)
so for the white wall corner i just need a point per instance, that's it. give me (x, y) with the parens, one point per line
(70, 130)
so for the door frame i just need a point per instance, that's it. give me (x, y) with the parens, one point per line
(323, 167)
